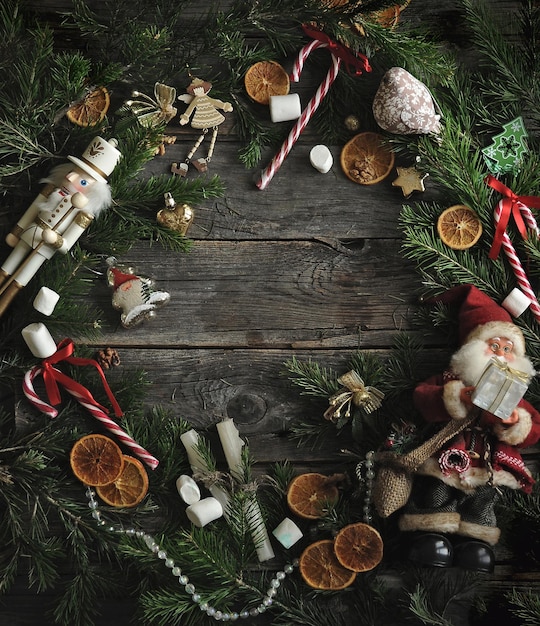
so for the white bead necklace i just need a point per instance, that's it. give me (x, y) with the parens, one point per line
(183, 580)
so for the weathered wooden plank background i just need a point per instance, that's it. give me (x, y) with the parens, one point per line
(310, 267)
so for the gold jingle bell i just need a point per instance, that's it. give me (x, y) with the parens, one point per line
(177, 217)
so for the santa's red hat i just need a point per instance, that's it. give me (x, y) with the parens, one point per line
(480, 317)
(116, 277)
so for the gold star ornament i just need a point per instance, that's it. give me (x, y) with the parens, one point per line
(410, 180)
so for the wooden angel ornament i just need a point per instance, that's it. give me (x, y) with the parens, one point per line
(206, 116)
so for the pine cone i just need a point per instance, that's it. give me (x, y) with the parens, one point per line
(107, 358)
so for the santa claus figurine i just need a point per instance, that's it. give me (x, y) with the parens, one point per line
(73, 196)
(451, 511)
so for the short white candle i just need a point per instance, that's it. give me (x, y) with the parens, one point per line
(39, 340)
(259, 534)
(232, 445)
(45, 300)
(204, 511)
(321, 158)
(287, 533)
(285, 108)
(188, 489)
(516, 302)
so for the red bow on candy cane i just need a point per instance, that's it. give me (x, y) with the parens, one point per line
(510, 206)
(53, 377)
(355, 64)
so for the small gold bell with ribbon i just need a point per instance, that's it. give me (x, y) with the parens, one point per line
(354, 393)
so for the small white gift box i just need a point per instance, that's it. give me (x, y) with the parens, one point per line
(500, 388)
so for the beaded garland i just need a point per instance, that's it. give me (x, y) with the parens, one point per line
(189, 588)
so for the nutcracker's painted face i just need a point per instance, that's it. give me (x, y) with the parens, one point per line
(77, 181)
(501, 347)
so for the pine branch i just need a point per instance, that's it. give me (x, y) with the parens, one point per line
(526, 606)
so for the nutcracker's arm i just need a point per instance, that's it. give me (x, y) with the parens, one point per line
(73, 232)
(13, 237)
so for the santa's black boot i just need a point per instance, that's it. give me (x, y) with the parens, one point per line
(429, 549)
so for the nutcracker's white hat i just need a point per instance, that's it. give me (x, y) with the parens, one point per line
(99, 159)
(480, 317)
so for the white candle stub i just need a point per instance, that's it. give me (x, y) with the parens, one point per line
(287, 533)
(232, 444)
(188, 489)
(45, 301)
(321, 158)
(516, 302)
(39, 340)
(285, 108)
(204, 511)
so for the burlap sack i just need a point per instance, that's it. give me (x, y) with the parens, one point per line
(394, 480)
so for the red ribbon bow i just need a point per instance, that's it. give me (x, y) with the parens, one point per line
(355, 63)
(53, 377)
(510, 206)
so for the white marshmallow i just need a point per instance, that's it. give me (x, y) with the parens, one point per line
(188, 489)
(285, 108)
(39, 340)
(287, 533)
(45, 300)
(516, 302)
(321, 158)
(204, 511)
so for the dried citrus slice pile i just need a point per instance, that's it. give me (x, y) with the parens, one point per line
(96, 460)
(366, 160)
(459, 227)
(129, 488)
(358, 547)
(265, 79)
(91, 109)
(311, 495)
(320, 568)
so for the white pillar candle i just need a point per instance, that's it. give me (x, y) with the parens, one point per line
(321, 158)
(287, 533)
(232, 446)
(188, 489)
(190, 439)
(516, 302)
(39, 340)
(204, 511)
(45, 300)
(285, 108)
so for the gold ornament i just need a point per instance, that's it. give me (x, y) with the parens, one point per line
(355, 392)
(410, 180)
(177, 217)
(352, 123)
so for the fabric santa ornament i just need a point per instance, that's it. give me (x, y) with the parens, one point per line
(454, 496)
(135, 296)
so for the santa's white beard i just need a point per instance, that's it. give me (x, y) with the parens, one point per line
(98, 194)
(470, 361)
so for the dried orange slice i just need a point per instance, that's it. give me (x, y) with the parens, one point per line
(366, 160)
(459, 227)
(358, 547)
(96, 460)
(311, 495)
(265, 79)
(129, 488)
(320, 568)
(91, 109)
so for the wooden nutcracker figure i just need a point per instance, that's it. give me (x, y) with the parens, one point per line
(206, 116)
(73, 196)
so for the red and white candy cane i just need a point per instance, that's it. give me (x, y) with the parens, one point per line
(517, 207)
(518, 270)
(338, 53)
(53, 377)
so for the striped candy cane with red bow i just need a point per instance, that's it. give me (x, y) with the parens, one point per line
(517, 207)
(358, 62)
(53, 377)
